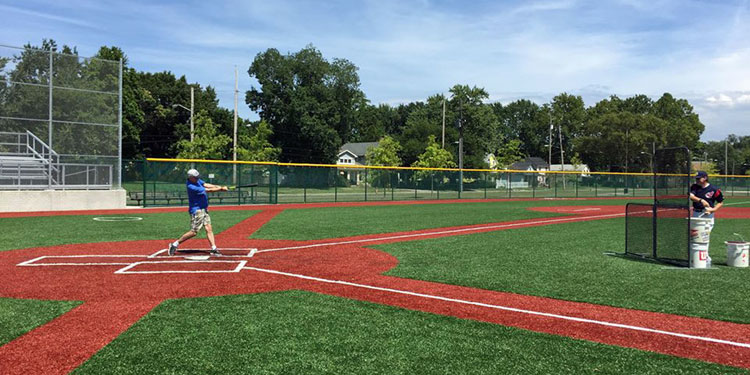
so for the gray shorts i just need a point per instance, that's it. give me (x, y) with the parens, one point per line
(703, 214)
(199, 219)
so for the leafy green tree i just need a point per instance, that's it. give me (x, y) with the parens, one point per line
(309, 102)
(618, 139)
(568, 113)
(208, 142)
(526, 121)
(385, 154)
(424, 120)
(433, 156)
(682, 126)
(371, 123)
(481, 128)
(257, 147)
(509, 153)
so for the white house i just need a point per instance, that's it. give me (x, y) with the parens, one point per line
(353, 154)
(583, 168)
(521, 180)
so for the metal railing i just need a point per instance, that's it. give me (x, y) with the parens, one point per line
(26, 162)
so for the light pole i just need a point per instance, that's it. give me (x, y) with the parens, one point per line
(192, 106)
(234, 147)
(460, 150)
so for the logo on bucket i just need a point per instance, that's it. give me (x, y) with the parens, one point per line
(702, 255)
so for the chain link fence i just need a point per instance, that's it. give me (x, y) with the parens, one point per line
(161, 182)
(60, 120)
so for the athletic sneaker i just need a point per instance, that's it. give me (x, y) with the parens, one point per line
(172, 249)
(215, 252)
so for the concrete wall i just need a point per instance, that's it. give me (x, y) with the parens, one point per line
(61, 200)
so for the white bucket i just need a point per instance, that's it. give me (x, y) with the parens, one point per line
(700, 229)
(737, 253)
(699, 255)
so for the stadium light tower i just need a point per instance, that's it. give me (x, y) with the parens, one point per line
(191, 110)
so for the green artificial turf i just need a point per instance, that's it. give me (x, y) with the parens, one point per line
(299, 332)
(330, 222)
(566, 261)
(18, 316)
(25, 232)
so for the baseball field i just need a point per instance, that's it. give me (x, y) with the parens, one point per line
(431, 287)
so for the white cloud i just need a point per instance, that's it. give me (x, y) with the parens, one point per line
(5, 9)
(720, 100)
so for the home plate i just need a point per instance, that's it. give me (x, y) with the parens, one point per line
(197, 257)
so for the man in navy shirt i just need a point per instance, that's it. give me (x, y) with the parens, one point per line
(198, 208)
(706, 198)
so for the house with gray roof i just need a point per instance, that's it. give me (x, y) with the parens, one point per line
(353, 154)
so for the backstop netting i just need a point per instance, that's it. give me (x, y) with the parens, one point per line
(639, 229)
(672, 233)
(662, 230)
(672, 203)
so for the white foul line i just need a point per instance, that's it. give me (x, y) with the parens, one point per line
(734, 203)
(472, 229)
(506, 308)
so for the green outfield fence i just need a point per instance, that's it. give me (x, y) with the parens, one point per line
(161, 182)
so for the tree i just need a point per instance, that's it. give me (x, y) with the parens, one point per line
(682, 127)
(525, 121)
(257, 147)
(434, 156)
(385, 154)
(618, 139)
(569, 114)
(509, 153)
(480, 125)
(424, 120)
(208, 143)
(309, 102)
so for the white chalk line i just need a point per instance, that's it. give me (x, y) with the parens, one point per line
(587, 209)
(156, 254)
(126, 269)
(450, 231)
(35, 262)
(735, 203)
(506, 308)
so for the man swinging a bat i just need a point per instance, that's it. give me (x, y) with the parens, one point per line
(198, 208)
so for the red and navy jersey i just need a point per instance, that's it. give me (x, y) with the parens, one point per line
(710, 193)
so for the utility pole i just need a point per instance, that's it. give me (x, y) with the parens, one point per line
(192, 111)
(443, 123)
(460, 151)
(234, 148)
(549, 165)
(562, 154)
(726, 156)
(627, 139)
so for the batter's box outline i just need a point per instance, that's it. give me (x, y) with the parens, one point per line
(127, 269)
(36, 261)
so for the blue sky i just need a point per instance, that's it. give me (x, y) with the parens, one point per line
(408, 50)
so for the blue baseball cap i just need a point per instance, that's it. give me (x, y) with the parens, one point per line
(701, 174)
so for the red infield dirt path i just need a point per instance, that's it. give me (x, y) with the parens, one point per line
(119, 283)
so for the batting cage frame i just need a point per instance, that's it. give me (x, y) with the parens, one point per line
(661, 230)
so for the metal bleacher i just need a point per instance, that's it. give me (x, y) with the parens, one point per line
(26, 162)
